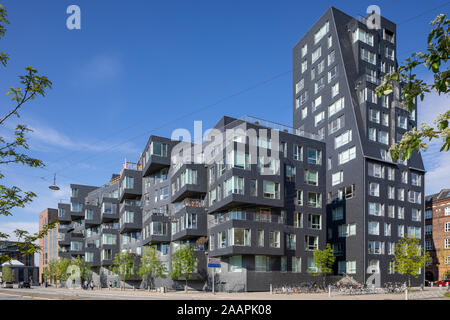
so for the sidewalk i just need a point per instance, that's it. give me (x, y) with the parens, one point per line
(129, 294)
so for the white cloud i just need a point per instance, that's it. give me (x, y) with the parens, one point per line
(9, 227)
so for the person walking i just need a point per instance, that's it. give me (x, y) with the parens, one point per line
(92, 284)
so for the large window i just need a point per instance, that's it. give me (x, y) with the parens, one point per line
(315, 221)
(298, 152)
(368, 56)
(158, 228)
(262, 263)
(239, 237)
(274, 239)
(347, 230)
(109, 238)
(347, 155)
(298, 220)
(374, 228)
(376, 247)
(158, 149)
(343, 139)
(316, 54)
(260, 238)
(336, 107)
(222, 239)
(361, 35)
(375, 170)
(321, 32)
(271, 190)
(312, 177)
(311, 243)
(291, 240)
(315, 199)
(234, 185)
(336, 124)
(296, 264)
(376, 209)
(314, 156)
(235, 264)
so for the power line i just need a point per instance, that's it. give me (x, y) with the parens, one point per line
(182, 117)
(423, 13)
(193, 97)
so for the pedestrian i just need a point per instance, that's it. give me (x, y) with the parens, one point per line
(92, 284)
(109, 284)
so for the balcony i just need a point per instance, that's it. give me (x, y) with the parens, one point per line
(280, 127)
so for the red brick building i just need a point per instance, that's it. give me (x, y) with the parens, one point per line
(437, 234)
(48, 244)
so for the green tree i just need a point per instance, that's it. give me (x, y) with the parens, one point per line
(13, 151)
(7, 274)
(323, 261)
(434, 59)
(53, 270)
(85, 270)
(61, 269)
(151, 266)
(410, 257)
(123, 265)
(183, 264)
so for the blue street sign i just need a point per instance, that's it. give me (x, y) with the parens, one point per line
(210, 265)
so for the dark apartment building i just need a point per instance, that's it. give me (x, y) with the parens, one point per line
(254, 201)
(372, 201)
(262, 196)
(437, 234)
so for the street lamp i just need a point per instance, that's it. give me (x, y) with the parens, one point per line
(54, 186)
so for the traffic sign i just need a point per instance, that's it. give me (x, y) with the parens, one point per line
(214, 263)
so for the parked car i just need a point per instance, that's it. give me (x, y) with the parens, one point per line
(24, 284)
(442, 283)
(8, 285)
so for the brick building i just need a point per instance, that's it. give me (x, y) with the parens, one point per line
(49, 243)
(437, 234)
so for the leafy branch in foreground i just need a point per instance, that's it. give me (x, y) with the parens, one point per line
(435, 59)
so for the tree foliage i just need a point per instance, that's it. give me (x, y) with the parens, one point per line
(123, 265)
(435, 60)
(14, 150)
(85, 270)
(323, 261)
(183, 263)
(7, 274)
(410, 257)
(151, 266)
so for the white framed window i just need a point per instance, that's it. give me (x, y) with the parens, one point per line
(416, 215)
(374, 189)
(316, 103)
(331, 57)
(447, 227)
(385, 119)
(447, 243)
(387, 229)
(336, 124)
(401, 212)
(391, 211)
(304, 66)
(304, 112)
(401, 231)
(375, 170)
(332, 74)
(335, 89)
(347, 230)
(376, 247)
(372, 134)
(319, 118)
(343, 139)
(374, 115)
(298, 152)
(376, 209)
(299, 85)
(391, 192)
(361, 35)
(337, 178)
(337, 106)
(304, 50)
(401, 194)
(321, 32)
(374, 228)
(347, 155)
(368, 56)
(316, 54)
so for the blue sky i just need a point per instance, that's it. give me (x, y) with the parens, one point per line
(136, 66)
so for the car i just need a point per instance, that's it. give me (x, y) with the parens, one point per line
(24, 284)
(7, 285)
(442, 283)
